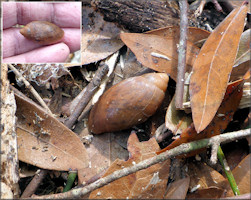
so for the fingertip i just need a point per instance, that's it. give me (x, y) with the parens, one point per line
(72, 38)
(57, 53)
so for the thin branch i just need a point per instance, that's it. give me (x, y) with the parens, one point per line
(34, 184)
(217, 5)
(29, 86)
(182, 54)
(88, 93)
(183, 148)
(215, 147)
(200, 8)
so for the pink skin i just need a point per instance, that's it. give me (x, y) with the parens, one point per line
(18, 49)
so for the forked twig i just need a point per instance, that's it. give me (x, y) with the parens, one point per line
(183, 148)
(88, 94)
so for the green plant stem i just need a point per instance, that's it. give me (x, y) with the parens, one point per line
(70, 181)
(227, 171)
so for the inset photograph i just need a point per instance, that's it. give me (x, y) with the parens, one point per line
(41, 32)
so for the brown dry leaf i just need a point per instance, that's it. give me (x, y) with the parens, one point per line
(202, 177)
(213, 66)
(102, 151)
(208, 193)
(194, 35)
(178, 189)
(45, 142)
(158, 53)
(239, 71)
(99, 38)
(147, 183)
(242, 176)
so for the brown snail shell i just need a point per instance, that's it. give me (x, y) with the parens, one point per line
(42, 32)
(128, 103)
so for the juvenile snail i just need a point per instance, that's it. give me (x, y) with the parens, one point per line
(42, 32)
(128, 103)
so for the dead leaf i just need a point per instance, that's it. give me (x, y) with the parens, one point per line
(203, 177)
(208, 193)
(99, 38)
(242, 176)
(147, 183)
(220, 121)
(102, 151)
(194, 35)
(45, 142)
(178, 189)
(158, 53)
(239, 70)
(213, 66)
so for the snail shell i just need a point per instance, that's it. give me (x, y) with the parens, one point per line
(42, 32)
(128, 103)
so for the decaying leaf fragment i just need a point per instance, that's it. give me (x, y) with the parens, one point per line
(201, 173)
(213, 66)
(41, 73)
(45, 142)
(219, 123)
(178, 189)
(100, 39)
(147, 183)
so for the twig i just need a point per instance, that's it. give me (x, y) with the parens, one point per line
(29, 86)
(162, 133)
(214, 151)
(228, 7)
(88, 93)
(182, 55)
(34, 184)
(183, 148)
(230, 177)
(199, 10)
(217, 5)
